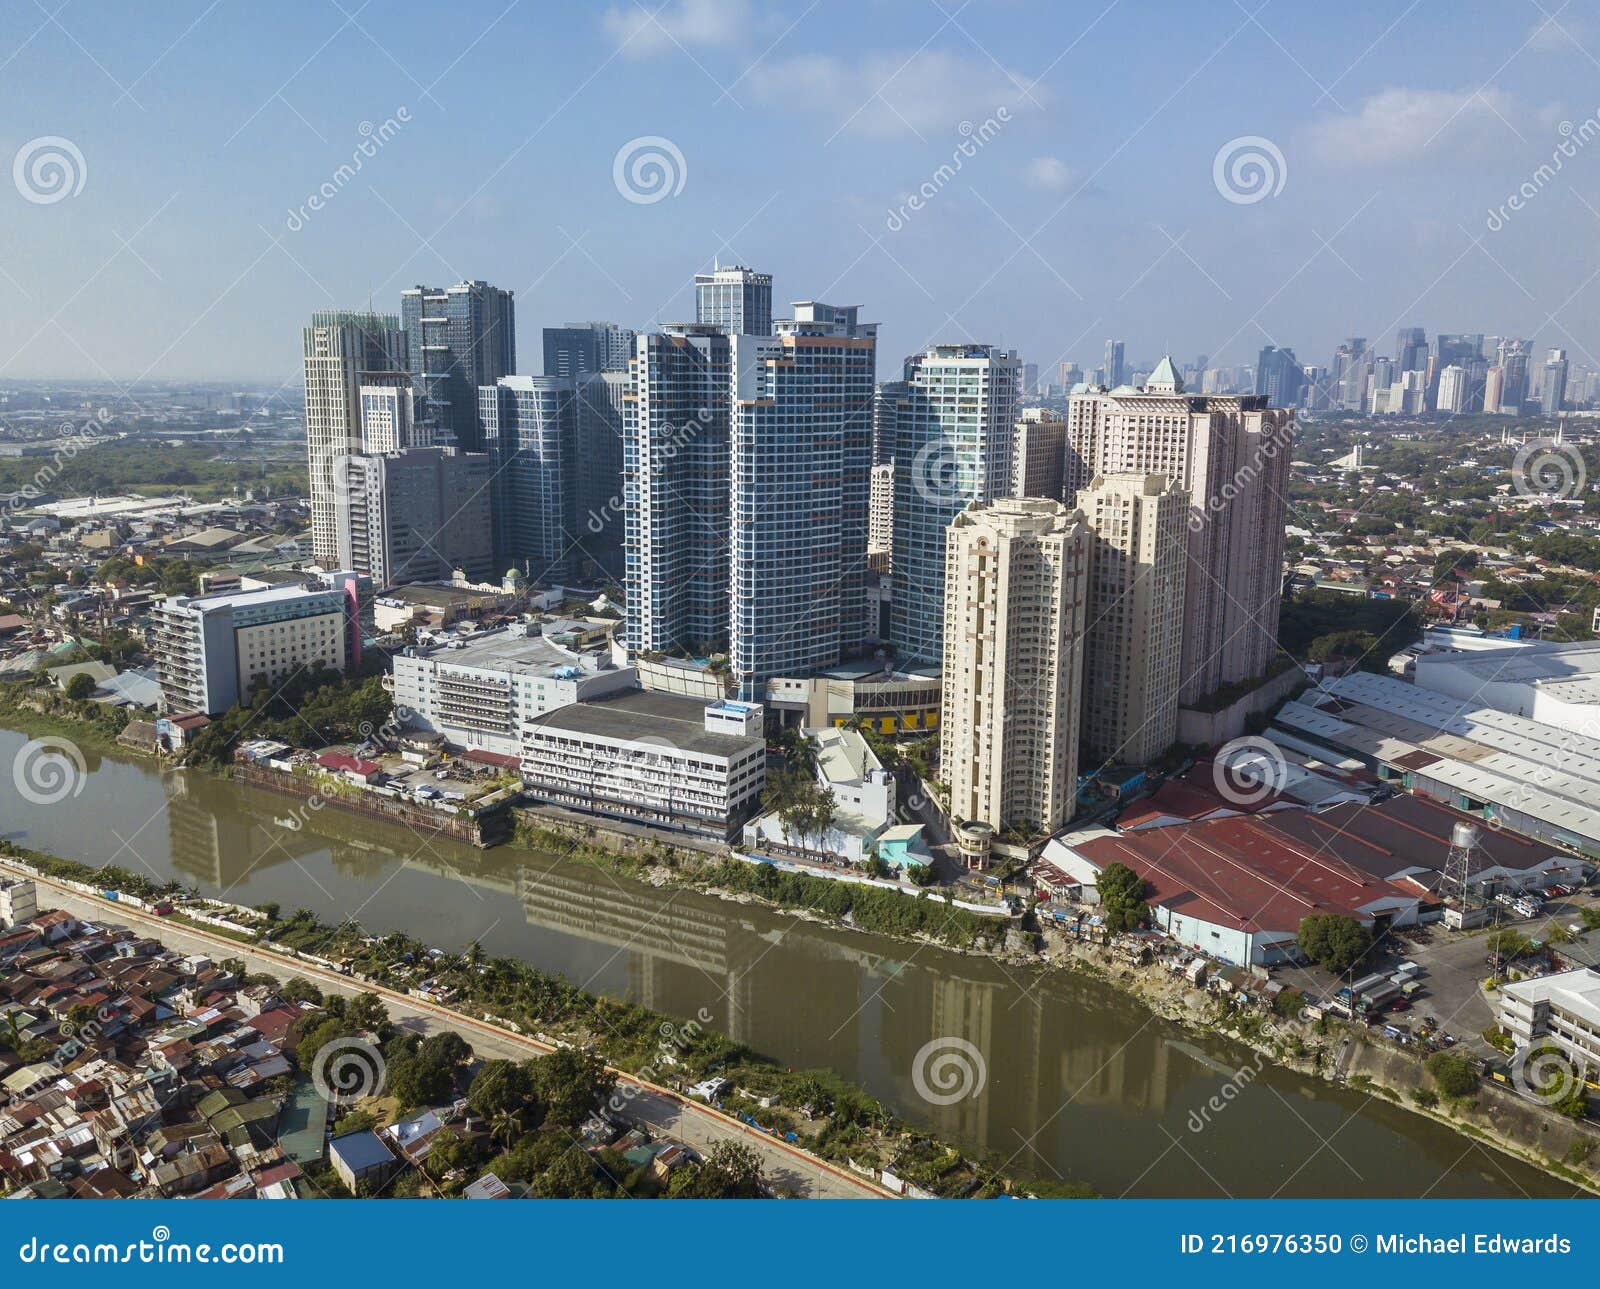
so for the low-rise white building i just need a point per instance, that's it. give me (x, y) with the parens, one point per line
(1561, 1010)
(19, 901)
(863, 800)
(480, 691)
(644, 758)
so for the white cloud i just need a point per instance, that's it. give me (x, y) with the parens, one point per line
(887, 95)
(1049, 173)
(642, 33)
(1559, 35)
(1407, 124)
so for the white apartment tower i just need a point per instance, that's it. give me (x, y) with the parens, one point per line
(1134, 646)
(1016, 591)
(1230, 453)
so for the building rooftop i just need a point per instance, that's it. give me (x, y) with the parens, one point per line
(647, 716)
(510, 649)
(1576, 992)
(1540, 770)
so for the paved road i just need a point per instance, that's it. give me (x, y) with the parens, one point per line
(657, 1108)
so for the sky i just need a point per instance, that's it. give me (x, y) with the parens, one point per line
(1203, 177)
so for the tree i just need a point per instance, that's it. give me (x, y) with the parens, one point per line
(415, 1081)
(80, 686)
(730, 1170)
(1334, 941)
(1456, 1076)
(571, 1083)
(366, 1011)
(1122, 897)
(501, 1086)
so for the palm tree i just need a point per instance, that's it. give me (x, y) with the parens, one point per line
(507, 1125)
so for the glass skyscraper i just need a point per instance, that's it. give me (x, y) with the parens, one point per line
(458, 339)
(735, 299)
(952, 430)
(800, 465)
(530, 427)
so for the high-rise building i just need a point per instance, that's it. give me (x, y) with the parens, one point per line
(1071, 374)
(341, 351)
(675, 481)
(1030, 378)
(530, 431)
(389, 419)
(800, 461)
(1513, 355)
(1494, 383)
(1016, 589)
(417, 515)
(1230, 453)
(1039, 454)
(1452, 389)
(458, 339)
(1279, 376)
(584, 348)
(735, 300)
(886, 401)
(212, 652)
(953, 439)
(1116, 366)
(880, 520)
(1553, 386)
(602, 399)
(1411, 349)
(1350, 373)
(1134, 648)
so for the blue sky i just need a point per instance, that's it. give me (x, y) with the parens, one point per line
(1088, 205)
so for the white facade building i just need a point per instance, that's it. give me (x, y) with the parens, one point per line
(481, 691)
(1561, 1010)
(644, 759)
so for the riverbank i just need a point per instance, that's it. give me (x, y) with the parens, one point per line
(815, 1111)
(1352, 1056)
(1337, 1052)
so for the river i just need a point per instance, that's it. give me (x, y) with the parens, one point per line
(1080, 1081)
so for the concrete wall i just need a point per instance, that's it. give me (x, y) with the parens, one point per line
(1208, 729)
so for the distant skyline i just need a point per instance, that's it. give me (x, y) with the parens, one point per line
(1009, 173)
